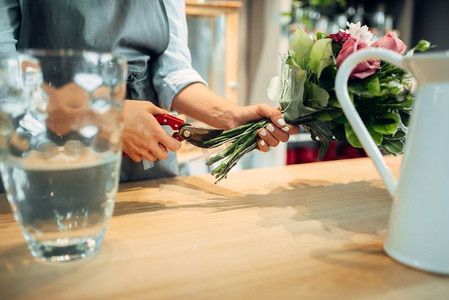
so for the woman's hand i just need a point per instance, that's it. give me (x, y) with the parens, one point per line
(143, 136)
(201, 103)
(275, 132)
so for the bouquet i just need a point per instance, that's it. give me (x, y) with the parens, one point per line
(382, 94)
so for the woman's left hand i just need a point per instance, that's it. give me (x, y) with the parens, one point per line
(275, 132)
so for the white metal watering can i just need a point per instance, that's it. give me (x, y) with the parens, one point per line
(418, 233)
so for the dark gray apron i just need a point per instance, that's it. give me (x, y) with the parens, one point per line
(137, 29)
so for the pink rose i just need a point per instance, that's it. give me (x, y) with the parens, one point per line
(392, 42)
(363, 69)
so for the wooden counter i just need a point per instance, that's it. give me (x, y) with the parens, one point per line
(311, 231)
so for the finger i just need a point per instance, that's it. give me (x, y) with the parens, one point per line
(265, 110)
(159, 141)
(263, 146)
(280, 123)
(169, 142)
(268, 138)
(287, 128)
(163, 138)
(154, 110)
(149, 157)
(294, 129)
(157, 150)
(135, 156)
(276, 117)
(277, 133)
(132, 152)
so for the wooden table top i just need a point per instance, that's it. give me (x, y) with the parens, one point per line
(311, 231)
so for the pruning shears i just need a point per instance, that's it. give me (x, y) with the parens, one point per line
(196, 136)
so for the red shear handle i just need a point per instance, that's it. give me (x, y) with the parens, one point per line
(173, 122)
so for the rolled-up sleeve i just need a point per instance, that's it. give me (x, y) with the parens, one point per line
(9, 25)
(174, 67)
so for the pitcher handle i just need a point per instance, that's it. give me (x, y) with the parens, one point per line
(341, 89)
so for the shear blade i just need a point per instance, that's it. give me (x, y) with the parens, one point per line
(198, 136)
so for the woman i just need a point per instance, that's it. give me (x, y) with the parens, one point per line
(152, 35)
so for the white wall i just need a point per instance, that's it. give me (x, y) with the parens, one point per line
(264, 43)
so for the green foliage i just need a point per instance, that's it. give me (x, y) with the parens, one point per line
(322, 3)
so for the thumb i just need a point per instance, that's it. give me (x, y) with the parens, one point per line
(159, 111)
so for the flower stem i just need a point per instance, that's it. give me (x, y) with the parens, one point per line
(243, 140)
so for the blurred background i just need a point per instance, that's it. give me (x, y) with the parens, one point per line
(236, 47)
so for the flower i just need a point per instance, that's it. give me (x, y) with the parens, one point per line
(363, 69)
(360, 38)
(357, 31)
(305, 91)
(392, 42)
(339, 37)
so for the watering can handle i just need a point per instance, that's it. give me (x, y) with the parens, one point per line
(341, 87)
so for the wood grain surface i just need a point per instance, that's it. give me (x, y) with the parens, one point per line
(312, 231)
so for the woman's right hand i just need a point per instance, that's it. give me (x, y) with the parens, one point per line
(143, 137)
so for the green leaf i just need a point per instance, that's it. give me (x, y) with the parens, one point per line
(324, 3)
(324, 147)
(323, 116)
(386, 124)
(393, 146)
(367, 88)
(341, 119)
(399, 135)
(354, 141)
(320, 35)
(321, 56)
(300, 46)
(317, 96)
(373, 86)
(319, 129)
(405, 117)
(328, 115)
(333, 101)
(327, 78)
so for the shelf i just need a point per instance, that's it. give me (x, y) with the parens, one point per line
(211, 9)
